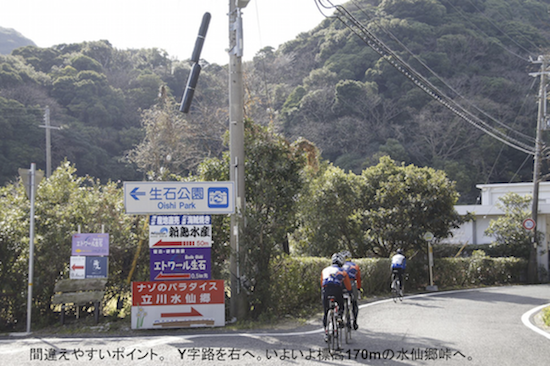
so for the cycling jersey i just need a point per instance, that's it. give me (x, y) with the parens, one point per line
(335, 276)
(398, 261)
(353, 272)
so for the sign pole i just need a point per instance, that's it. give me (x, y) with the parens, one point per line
(429, 238)
(31, 247)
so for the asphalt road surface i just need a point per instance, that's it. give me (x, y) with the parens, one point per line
(491, 326)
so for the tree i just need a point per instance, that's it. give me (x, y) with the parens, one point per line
(510, 237)
(274, 177)
(170, 142)
(327, 214)
(63, 203)
(401, 203)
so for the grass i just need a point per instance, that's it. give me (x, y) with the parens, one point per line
(546, 316)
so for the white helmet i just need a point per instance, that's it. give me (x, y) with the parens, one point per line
(338, 259)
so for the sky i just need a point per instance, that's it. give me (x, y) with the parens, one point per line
(172, 25)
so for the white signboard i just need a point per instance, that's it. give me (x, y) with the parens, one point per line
(174, 198)
(178, 304)
(77, 269)
(180, 231)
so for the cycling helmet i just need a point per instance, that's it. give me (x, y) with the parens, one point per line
(338, 259)
(346, 254)
(399, 251)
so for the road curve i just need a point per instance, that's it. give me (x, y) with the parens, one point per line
(489, 326)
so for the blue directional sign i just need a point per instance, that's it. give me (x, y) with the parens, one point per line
(175, 198)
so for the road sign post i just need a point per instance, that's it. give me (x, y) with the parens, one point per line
(31, 178)
(429, 238)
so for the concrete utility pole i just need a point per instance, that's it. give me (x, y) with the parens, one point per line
(48, 127)
(236, 149)
(541, 124)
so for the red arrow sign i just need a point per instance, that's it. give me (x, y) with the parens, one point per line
(174, 276)
(75, 267)
(193, 312)
(161, 243)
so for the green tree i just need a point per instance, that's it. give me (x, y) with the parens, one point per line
(402, 203)
(328, 208)
(273, 179)
(64, 203)
(511, 238)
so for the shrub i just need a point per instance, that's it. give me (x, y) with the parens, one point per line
(296, 287)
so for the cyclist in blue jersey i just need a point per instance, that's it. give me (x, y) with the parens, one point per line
(398, 265)
(333, 281)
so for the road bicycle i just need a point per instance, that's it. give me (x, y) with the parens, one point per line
(349, 317)
(334, 333)
(396, 287)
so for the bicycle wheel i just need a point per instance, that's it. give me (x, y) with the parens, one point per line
(347, 318)
(394, 290)
(401, 290)
(332, 328)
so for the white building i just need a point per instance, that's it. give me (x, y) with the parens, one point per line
(474, 232)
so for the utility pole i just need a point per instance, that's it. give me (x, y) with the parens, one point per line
(541, 124)
(238, 307)
(48, 127)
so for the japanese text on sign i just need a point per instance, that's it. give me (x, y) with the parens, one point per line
(177, 292)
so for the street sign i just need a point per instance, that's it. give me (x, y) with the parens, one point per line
(88, 267)
(178, 304)
(77, 268)
(180, 231)
(180, 264)
(90, 244)
(529, 224)
(175, 198)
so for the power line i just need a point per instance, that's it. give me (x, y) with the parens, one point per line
(386, 53)
(529, 138)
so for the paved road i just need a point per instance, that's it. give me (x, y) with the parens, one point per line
(475, 327)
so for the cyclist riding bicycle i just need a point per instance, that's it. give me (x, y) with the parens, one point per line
(333, 281)
(354, 273)
(398, 265)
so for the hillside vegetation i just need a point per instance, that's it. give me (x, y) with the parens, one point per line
(326, 86)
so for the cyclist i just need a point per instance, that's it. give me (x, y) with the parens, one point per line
(333, 281)
(354, 273)
(398, 265)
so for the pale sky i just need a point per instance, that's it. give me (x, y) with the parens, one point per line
(171, 25)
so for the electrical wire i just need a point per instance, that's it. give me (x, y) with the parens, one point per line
(390, 34)
(386, 53)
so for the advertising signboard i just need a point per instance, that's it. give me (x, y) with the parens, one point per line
(88, 267)
(173, 231)
(180, 264)
(96, 267)
(178, 304)
(90, 244)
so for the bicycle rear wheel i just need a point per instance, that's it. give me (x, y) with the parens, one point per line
(332, 328)
(347, 320)
(394, 290)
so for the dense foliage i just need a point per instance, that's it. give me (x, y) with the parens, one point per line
(64, 204)
(326, 85)
(385, 208)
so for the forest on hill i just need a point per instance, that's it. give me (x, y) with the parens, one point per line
(327, 86)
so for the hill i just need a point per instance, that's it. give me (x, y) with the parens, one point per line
(10, 39)
(328, 85)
